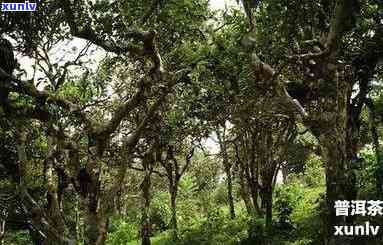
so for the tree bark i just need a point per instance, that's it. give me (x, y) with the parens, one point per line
(146, 226)
(245, 194)
(230, 193)
(53, 208)
(333, 127)
(96, 221)
(145, 187)
(252, 179)
(2, 231)
(268, 200)
(248, 174)
(174, 173)
(173, 205)
(227, 167)
(339, 186)
(95, 226)
(42, 226)
(375, 140)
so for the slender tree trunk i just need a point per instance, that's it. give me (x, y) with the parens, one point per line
(254, 197)
(252, 181)
(35, 237)
(245, 194)
(2, 231)
(76, 231)
(145, 186)
(268, 200)
(267, 176)
(173, 205)
(285, 173)
(146, 226)
(253, 173)
(230, 192)
(227, 167)
(243, 182)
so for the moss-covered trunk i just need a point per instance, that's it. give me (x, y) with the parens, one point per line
(332, 123)
(339, 185)
(95, 220)
(92, 198)
(95, 227)
(146, 196)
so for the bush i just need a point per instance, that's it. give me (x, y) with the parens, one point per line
(313, 172)
(256, 233)
(160, 212)
(17, 238)
(288, 196)
(216, 229)
(220, 195)
(366, 175)
(302, 196)
(121, 232)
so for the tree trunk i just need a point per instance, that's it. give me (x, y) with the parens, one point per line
(230, 192)
(244, 181)
(227, 166)
(146, 226)
(245, 193)
(173, 205)
(145, 186)
(2, 231)
(254, 197)
(96, 221)
(339, 186)
(252, 173)
(42, 228)
(74, 231)
(35, 236)
(268, 201)
(375, 140)
(335, 130)
(53, 207)
(95, 227)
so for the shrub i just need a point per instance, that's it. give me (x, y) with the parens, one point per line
(313, 172)
(17, 238)
(160, 212)
(366, 175)
(302, 196)
(121, 232)
(216, 229)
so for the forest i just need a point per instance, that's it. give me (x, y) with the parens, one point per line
(191, 122)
